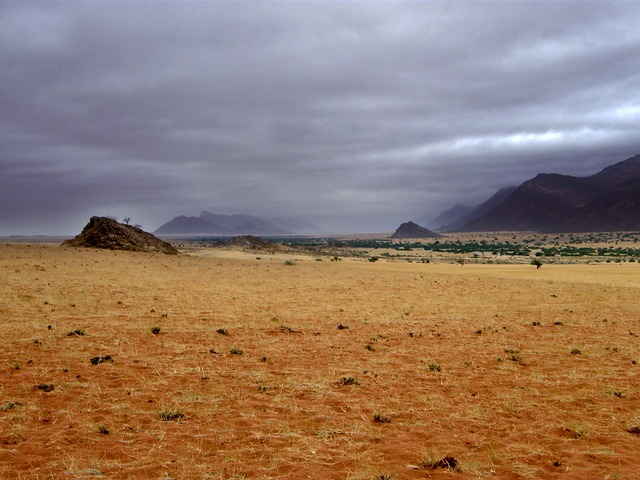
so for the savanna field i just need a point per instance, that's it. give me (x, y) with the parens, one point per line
(222, 365)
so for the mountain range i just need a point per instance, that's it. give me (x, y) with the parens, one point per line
(208, 223)
(606, 201)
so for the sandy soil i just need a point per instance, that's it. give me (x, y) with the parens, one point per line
(323, 370)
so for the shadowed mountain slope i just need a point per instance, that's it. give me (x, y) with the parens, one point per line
(553, 202)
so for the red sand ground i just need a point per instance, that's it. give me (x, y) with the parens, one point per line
(446, 356)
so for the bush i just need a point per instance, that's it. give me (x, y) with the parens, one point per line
(349, 381)
(172, 415)
(379, 418)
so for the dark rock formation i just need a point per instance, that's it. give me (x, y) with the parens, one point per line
(413, 230)
(103, 232)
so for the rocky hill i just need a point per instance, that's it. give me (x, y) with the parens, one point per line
(103, 232)
(606, 201)
(413, 230)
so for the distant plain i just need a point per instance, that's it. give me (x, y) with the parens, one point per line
(227, 363)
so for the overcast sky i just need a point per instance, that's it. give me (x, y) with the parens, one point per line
(356, 116)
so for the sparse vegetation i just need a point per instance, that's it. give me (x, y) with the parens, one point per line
(579, 430)
(46, 387)
(435, 367)
(101, 359)
(9, 406)
(380, 418)
(513, 354)
(315, 393)
(634, 429)
(433, 460)
(103, 430)
(172, 415)
(155, 330)
(349, 381)
(78, 332)
(236, 351)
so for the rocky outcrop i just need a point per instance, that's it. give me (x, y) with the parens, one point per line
(413, 230)
(107, 233)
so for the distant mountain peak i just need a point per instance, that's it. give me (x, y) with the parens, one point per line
(239, 224)
(413, 230)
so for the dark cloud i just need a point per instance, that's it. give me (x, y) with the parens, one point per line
(354, 115)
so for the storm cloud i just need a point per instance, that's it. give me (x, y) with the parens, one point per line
(356, 116)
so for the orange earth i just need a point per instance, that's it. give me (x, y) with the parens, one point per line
(314, 369)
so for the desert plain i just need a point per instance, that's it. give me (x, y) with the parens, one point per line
(222, 364)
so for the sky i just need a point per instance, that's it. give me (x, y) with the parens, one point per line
(354, 115)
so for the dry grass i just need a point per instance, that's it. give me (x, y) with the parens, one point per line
(282, 409)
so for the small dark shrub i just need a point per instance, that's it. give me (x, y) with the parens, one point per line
(102, 429)
(9, 406)
(101, 359)
(349, 381)
(46, 387)
(513, 354)
(155, 330)
(434, 367)
(379, 418)
(172, 415)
